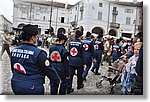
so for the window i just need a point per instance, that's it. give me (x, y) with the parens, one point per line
(100, 4)
(115, 9)
(76, 8)
(44, 18)
(81, 17)
(75, 17)
(128, 19)
(128, 10)
(99, 15)
(62, 19)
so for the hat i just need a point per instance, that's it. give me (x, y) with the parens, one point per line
(61, 36)
(30, 29)
(88, 34)
(79, 33)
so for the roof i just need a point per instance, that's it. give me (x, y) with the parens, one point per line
(137, 4)
(48, 3)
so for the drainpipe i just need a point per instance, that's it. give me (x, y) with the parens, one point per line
(30, 13)
(108, 18)
(56, 21)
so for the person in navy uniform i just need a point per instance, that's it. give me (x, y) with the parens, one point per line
(30, 65)
(76, 60)
(116, 50)
(99, 48)
(88, 54)
(58, 57)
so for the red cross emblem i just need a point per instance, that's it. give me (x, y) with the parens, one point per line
(55, 56)
(114, 49)
(129, 48)
(19, 68)
(86, 47)
(96, 46)
(73, 51)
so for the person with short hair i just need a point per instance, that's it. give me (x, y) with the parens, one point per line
(58, 56)
(30, 65)
(6, 42)
(98, 51)
(116, 50)
(76, 60)
(88, 46)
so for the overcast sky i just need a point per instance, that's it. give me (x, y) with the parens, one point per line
(6, 6)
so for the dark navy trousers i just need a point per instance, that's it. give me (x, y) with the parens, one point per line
(27, 88)
(88, 61)
(57, 88)
(98, 57)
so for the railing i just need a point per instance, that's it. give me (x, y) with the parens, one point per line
(82, 8)
(114, 25)
(114, 12)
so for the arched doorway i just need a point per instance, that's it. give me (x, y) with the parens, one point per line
(20, 26)
(98, 30)
(61, 30)
(113, 32)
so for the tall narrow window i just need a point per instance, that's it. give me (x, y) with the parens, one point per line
(62, 19)
(81, 17)
(115, 9)
(128, 20)
(100, 4)
(75, 17)
(99, 15)
(114, 18)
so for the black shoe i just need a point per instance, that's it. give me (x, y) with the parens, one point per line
(81, 86)
(110, 64)
(97, 73)
(84, 79)
(92, 70)
(70, 90)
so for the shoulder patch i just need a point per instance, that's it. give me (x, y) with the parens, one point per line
(47, 63)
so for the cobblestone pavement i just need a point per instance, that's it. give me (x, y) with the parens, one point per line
(89, 86)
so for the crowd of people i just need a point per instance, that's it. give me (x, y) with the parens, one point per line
(67, 58)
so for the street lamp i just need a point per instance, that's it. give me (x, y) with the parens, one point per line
(134, 22)
(50, 21)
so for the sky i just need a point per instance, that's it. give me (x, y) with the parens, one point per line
(6, 6)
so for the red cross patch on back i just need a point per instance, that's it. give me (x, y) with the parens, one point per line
(114, 50)
(96, 46)
(73, 51)
(19, 68)
(86, 47)
(55, 56)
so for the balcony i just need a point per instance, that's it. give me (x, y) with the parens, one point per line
(114, 12)
(82, 8)
(74, 23)
(114, 25)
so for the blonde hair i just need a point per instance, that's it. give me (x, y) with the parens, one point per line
(138, 44)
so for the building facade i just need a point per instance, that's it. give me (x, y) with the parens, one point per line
(97, 16)
(5, 24)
